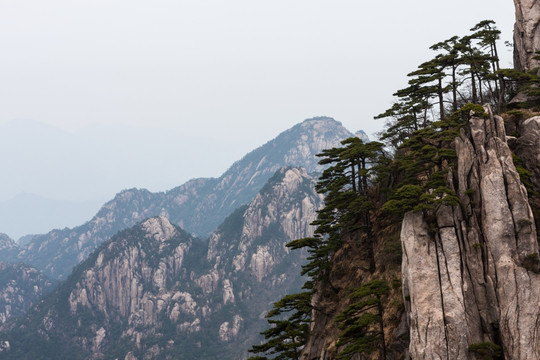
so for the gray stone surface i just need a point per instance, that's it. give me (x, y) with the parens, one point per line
(471, 280)
(526, 34)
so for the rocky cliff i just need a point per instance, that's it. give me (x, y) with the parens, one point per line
(8, 248)
(198, 206)
(351, 268)
(471, 275)
(470, 271)
(21, 286)
(526, 34)
(155, 292)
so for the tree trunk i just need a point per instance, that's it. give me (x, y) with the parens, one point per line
(380, 309)
(473, 84)
(480, 91)
(441, 103)
(454, 88)
(353, 177)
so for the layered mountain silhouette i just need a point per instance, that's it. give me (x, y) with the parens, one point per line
(198, 206)
(189, 272)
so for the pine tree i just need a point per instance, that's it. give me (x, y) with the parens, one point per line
(403, 118)
(362, 321)
(487, 35)
(428, 82)
(450, 59)
(347, 205)
(477, 65)
(289, 328)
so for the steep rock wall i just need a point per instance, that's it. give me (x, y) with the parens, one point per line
(21, 286)
(470, 276)
(528, 132)
(526, 34)
(350, 269)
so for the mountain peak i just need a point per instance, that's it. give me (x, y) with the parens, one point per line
(318, 122)
(159, 228)
(361, 134)
(6, 242)
(321, 118)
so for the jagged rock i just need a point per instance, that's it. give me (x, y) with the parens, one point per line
(472, 277)
(362, 135)
(228, 292)
(227, 331)
(526, 34)
(8, 248)
(130, 356)
(530, 139)
(21, 286)
(208, 282)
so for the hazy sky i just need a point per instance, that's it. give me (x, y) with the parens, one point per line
(239, 70)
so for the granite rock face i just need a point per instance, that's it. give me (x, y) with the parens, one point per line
(8, 248)
(529, 138)
(526, 34)
(471, 274)
(21, 286)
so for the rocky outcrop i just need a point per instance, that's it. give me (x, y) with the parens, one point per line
(526, 34)
(21, 286)
(8, 248)
(529, 138)
(198, 206)
(283, 209)
(362, 135)
(251, 266)
(471, 274)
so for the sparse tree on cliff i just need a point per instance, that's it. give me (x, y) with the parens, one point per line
(289, 328)
(450, 59)
(477, 65)
(487, 35)
(403, 118)
(347, 205)
(427, 82)
(362, 323)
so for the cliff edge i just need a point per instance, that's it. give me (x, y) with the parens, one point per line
(471, 275)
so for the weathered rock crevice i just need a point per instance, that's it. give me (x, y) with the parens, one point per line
(474, 279)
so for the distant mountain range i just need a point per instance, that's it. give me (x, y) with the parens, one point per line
(190, 271)
(198, 206)
(92, 164)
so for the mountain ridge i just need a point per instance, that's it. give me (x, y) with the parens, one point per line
(198, 206)
(153, 290)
